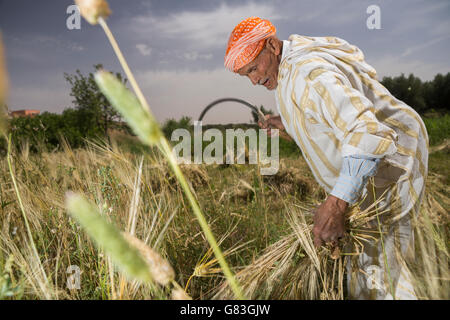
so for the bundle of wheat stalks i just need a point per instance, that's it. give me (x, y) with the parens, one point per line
(292, 268)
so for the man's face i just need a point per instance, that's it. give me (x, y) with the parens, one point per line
(263, 70)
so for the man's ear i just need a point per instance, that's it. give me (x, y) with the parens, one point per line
(273, 44)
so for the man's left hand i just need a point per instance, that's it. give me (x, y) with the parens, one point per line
(329, 221)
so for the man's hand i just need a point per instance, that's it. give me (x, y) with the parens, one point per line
(329, 221)
(274, 122)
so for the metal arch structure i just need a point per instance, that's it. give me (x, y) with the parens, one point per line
(212, 104)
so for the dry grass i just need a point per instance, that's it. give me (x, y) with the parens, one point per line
(292, 268)
(140, 196)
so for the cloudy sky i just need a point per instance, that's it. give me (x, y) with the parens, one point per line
(176, 48)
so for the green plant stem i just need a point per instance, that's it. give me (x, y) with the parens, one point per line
(164, 146)
(201, 219)
(22, 209)
(124, 63)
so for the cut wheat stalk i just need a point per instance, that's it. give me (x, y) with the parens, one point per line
(292, 268)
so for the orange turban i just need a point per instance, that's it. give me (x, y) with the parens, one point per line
(246, 42)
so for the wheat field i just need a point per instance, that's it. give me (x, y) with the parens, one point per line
(255, 219)
(102, 222)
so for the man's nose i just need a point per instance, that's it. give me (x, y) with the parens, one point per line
(253, 79)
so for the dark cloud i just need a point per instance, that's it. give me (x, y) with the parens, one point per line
(176, 47)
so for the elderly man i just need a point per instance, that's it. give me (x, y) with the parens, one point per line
(349, 128)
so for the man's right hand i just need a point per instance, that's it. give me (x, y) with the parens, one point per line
(274, 122)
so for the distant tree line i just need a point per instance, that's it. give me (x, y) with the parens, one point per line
(91, 118)
(423, 96)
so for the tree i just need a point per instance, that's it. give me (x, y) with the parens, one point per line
(422, 96)
(95, 114)
(438, 92)
(44, 132)
(171, 124)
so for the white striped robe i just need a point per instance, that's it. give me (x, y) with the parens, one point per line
(332, 105)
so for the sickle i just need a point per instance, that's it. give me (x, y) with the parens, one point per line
(212, 104)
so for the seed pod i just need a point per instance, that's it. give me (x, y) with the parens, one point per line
(160, 269)
(123, 100)
(91, 10)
